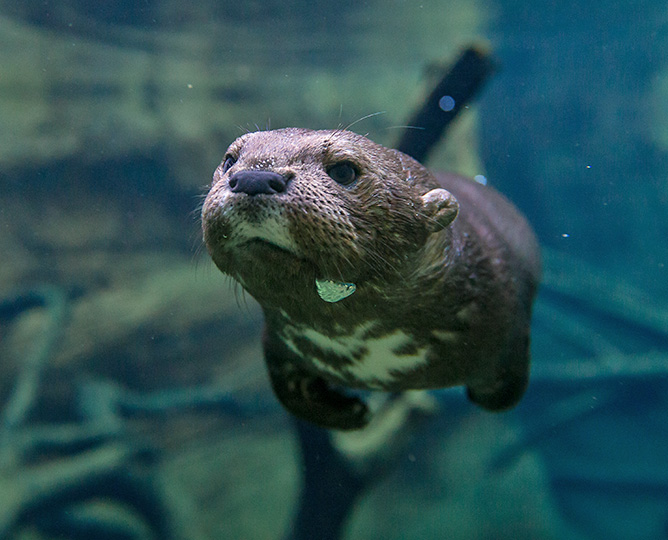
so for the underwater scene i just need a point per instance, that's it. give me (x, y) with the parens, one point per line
(327, 341)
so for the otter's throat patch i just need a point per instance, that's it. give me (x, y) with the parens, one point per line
(333, 291)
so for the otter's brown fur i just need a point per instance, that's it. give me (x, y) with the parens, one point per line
(445, 272)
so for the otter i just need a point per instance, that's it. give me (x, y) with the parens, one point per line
(373, 273)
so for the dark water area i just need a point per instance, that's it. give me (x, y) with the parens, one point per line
(134, 401)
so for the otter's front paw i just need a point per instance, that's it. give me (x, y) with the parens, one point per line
(311, 398)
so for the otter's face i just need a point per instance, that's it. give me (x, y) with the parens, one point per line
(292, 206)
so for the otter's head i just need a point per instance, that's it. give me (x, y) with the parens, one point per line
(292, 208)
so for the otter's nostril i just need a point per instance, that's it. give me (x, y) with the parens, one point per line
(277, 185)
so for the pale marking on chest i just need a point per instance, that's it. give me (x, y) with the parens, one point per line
(379, 363)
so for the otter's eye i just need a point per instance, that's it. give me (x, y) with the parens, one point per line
(229, 161)
(342, 173)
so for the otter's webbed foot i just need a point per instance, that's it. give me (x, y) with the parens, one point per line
(312, 399)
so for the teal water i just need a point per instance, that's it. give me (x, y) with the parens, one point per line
(133, 395)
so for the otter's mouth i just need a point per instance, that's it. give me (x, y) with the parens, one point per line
(266, 247)
(260, 253)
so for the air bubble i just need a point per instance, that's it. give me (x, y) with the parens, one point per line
(446, 103)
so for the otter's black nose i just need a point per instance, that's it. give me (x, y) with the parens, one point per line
(257, 182)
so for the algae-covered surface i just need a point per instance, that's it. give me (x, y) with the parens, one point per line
(133, 398)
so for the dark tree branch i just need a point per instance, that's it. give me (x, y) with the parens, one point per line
(454, 91)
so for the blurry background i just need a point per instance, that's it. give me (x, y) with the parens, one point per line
(117, 335)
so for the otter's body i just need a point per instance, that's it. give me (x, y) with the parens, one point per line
(372, 272)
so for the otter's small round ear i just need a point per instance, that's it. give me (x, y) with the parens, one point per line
(440, 207)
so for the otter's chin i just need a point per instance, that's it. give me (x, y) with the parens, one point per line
(265, 270)
(276, 259)
(257, 257)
